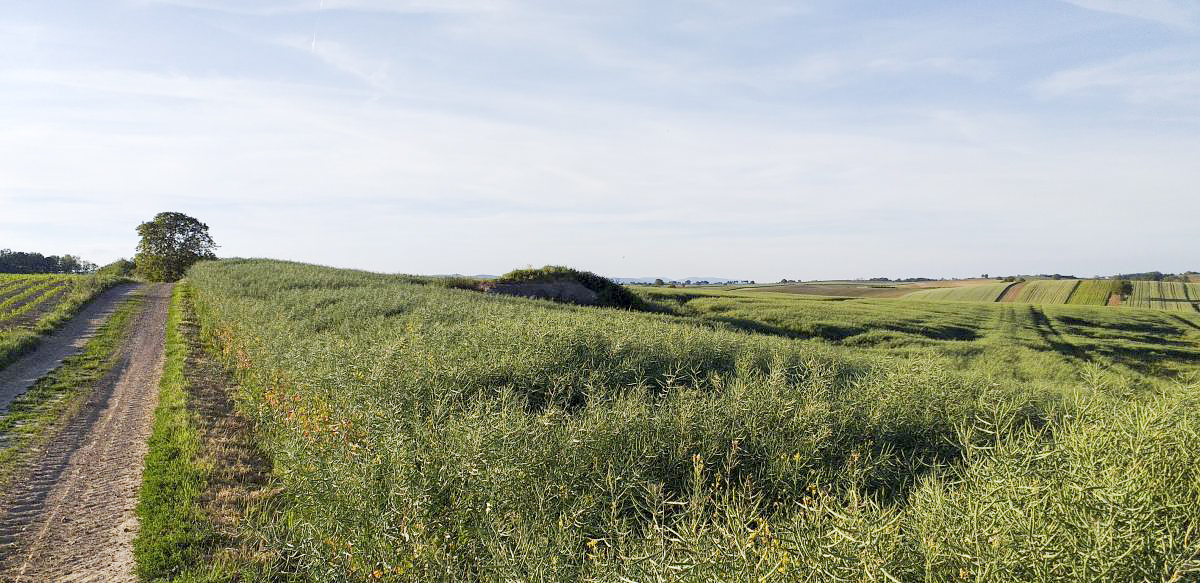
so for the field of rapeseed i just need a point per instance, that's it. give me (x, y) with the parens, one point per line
(423, 433)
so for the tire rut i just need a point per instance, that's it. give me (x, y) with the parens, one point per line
(18, 376)
(72, 518)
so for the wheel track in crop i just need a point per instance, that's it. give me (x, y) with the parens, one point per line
(1052, 337)
(72, 517)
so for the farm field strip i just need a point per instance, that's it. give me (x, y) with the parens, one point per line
(1047, 291)
(1162, 295)
(1013, 292)
(43, 302)
(37, 295)
(1193, 294)
(1092, 292)
(987, 292)
(423, 433)
(9, 285)
(1166, 295)
(28, 294)
(14, 291)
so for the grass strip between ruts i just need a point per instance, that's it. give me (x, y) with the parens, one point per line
(32, 418)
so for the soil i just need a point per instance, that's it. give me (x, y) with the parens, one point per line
(563, 291)
(72, 518)
(31, 317)
(52, 289)
(1114, 299)
(869, 289)
(1012, 293)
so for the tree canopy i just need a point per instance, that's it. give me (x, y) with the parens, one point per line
(170, 244)
(29, 262)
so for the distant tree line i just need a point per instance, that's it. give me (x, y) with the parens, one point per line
(1156, 276)
(673, 283)
(28, 262)
(1143, 276)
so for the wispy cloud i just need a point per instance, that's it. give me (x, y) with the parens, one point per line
(280, 7)
(1155, 78)
(716, 136)
(1181, 13)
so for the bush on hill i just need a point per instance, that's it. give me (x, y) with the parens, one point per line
(120, 268)
(608, 292)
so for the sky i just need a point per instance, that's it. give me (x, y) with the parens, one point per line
(747, 139)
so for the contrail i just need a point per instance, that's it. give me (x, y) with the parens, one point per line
(315, 19)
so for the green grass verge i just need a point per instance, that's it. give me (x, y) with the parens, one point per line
(198, 486)
(174, 532)
(30, 419)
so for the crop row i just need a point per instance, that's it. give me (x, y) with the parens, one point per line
(1164, 295)
(1047, 291)
(31, 305)
(1093, 292)
(1173, 296)
(33, 294)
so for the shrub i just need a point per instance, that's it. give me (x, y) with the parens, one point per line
(608, 292)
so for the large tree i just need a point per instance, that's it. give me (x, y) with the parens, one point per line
(170, 244)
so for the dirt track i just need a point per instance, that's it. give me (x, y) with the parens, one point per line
(17, 377)
(71, 518)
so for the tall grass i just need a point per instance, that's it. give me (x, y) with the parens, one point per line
(424, 433)
(173, 533)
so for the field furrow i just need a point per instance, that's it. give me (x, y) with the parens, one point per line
(1047, 291)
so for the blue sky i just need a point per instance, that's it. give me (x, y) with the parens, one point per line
(750, 139)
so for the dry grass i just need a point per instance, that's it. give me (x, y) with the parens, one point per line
(205, 476)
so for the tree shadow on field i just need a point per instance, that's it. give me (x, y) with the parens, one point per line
(1053, 338)
(842, 332)
(1146, 347)
(1122, 326)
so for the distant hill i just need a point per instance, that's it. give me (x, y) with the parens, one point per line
(466, 276)
(1162, 295)
(622, 280)
(715, 280)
